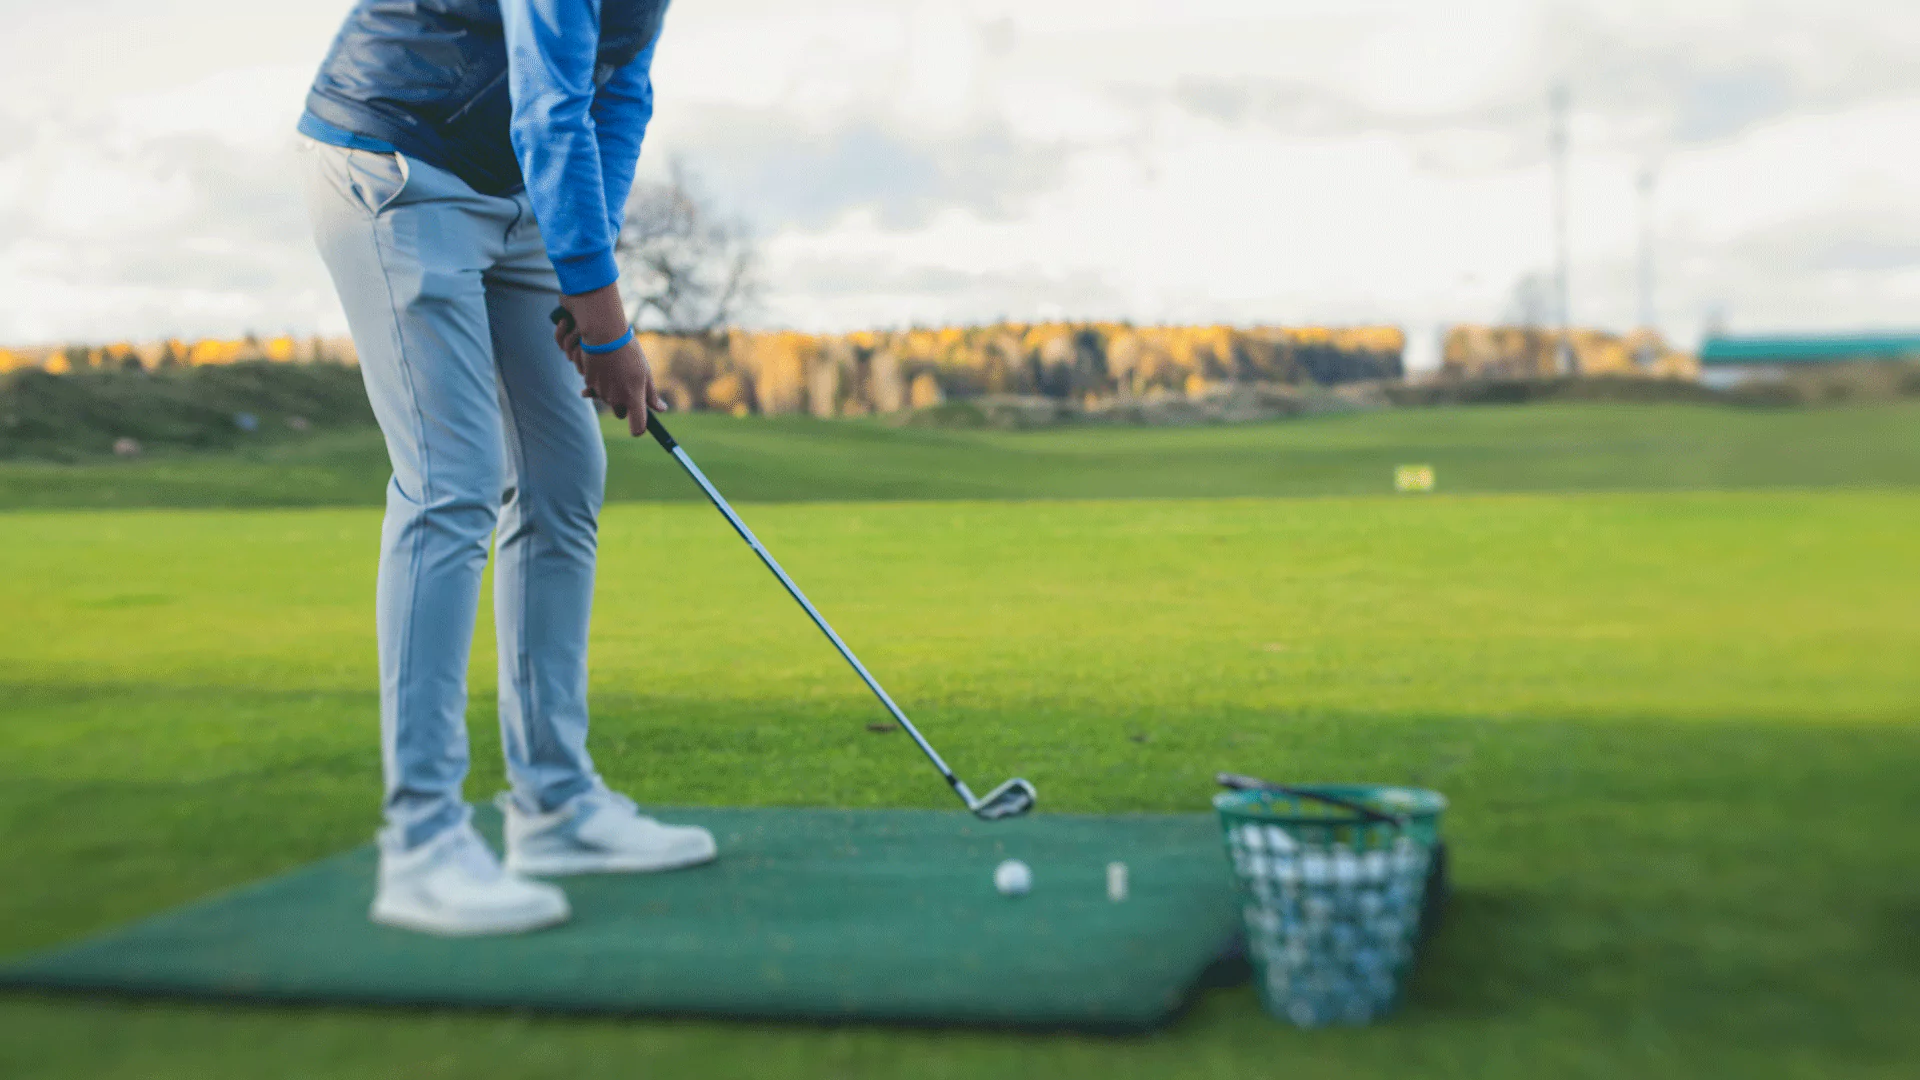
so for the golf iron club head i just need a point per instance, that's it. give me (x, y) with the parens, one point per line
(1011, 799)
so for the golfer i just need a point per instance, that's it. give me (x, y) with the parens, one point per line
(467, 167)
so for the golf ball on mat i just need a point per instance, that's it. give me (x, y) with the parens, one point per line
(1012, 878)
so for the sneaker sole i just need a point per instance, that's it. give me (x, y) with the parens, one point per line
(570, 865)
(498, 926)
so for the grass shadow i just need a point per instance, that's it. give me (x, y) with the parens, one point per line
(1484, 961)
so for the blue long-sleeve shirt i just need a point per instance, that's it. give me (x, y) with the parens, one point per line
(578, 145)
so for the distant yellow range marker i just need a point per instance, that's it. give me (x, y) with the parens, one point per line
(1413, 478)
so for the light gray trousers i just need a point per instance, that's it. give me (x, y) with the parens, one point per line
(447, 293)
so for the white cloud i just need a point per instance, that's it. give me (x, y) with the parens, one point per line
(1282, 160)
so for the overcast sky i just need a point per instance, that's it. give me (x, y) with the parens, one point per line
(1275, 161)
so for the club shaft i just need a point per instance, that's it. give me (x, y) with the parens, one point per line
(720, 503)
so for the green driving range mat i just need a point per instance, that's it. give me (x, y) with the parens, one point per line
(807, 914)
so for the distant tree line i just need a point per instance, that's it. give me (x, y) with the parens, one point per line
(689, 274)
(893, 371)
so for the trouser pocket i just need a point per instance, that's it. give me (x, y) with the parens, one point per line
(370, 179)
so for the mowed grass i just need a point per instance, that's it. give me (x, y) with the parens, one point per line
(1543, 448)
(1680, 732)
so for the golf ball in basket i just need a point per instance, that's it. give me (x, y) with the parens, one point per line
(1012, 878)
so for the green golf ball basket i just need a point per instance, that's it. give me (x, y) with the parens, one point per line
(1333, 897)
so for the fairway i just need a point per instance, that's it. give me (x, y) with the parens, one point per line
(1678, 730)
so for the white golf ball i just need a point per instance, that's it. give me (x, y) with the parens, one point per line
(1012, 878)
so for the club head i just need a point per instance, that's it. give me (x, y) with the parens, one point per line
(1011, 799)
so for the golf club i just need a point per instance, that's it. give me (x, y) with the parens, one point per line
(1010, 799)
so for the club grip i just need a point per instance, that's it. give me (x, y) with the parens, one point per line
(659, 432)
(654, 427)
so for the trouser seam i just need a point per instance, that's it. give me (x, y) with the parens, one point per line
(414, 553)
(523, 658)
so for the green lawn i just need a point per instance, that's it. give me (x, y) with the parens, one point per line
(1537, 448)
(1680, 729)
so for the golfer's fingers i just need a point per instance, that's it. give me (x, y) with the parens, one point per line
(640, 398)
(616, 395)
(649, 392)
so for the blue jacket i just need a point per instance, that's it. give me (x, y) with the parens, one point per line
(552, 96)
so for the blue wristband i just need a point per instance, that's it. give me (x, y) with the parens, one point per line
(611, 346)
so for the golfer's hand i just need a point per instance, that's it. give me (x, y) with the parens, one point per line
(567, 336)
(621, 378)
(624, 380)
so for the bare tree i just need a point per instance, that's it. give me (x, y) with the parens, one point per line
(683, 267)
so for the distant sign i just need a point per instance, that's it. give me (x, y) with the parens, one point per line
(1413, 478)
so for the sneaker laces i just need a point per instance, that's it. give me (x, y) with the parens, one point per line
(467, 851)
(602, 795)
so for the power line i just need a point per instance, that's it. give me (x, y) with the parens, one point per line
(1649, 313)
(1560, 103)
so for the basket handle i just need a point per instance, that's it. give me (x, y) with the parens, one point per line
(1238, 782)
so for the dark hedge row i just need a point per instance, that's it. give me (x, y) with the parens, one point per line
(84, 414)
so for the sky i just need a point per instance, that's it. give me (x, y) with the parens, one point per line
(1273, 162)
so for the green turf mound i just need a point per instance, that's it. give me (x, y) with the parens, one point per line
(808, 914)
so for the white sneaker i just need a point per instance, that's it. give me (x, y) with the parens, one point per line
(452, 885)
(599, 832)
